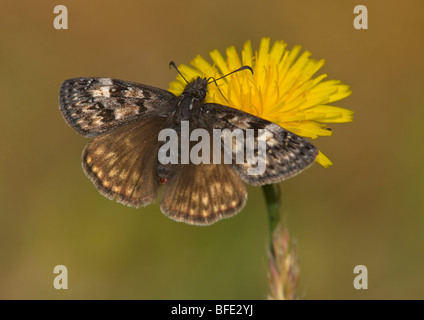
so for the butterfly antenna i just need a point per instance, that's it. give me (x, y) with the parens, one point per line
(239, 69)
(172, 64)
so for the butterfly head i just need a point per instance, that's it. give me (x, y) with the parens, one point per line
(197, 88)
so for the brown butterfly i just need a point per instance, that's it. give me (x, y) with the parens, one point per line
(125, 119)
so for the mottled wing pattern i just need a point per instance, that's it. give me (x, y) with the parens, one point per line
(287, 154)
(122, 163)
(203, 194)
(93, 106)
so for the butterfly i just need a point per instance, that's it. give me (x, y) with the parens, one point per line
(125, 118)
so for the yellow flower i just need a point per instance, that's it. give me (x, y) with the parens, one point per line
(281, 88)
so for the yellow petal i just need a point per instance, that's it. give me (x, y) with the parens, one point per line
(233, 58)
(277, 52)
(202, 65)
(247, 55)
(219, 61)
(323, 160)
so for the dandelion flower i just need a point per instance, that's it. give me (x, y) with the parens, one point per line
(281, 89)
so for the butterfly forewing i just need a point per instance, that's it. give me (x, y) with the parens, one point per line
(93, 106)
(286, 155)
(122, 163)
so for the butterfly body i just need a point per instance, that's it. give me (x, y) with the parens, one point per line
(188, 108)
(189, 103)
(126, 118)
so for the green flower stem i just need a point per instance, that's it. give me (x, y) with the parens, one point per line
(273, 209)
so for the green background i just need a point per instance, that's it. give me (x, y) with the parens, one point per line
(367, 209)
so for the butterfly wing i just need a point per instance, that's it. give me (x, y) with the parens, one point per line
(93, 106)
(286, 155)
(122, 163)
(203, 194)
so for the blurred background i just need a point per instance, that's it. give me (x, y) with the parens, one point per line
(367, 209)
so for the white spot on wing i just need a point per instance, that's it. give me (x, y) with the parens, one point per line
(105, 92)
(106, 81)
(101, 92)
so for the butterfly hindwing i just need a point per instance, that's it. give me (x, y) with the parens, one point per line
(122, 163)
(203, 194)
(93, 106)
(287, 154)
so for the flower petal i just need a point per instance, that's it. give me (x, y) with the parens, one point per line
(219, 61)
(246, 54)
(323, 160)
